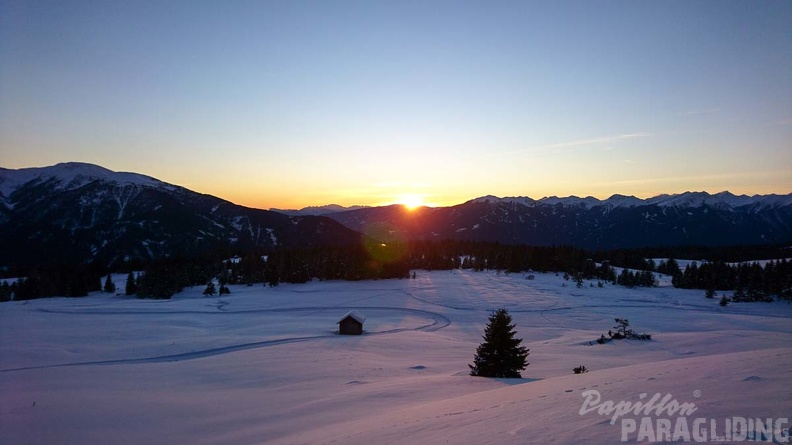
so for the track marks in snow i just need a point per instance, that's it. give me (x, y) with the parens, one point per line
(438, 321)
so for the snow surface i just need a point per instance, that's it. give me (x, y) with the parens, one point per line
(264, 365)
(70, 175)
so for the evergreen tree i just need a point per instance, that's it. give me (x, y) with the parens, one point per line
(672, 267)
(131, 285)
(5, 291)
(500, 355)
(109, 286)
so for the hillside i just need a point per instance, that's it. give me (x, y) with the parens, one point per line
(85, 213)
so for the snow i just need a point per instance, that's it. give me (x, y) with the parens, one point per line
(317, 210)
(623, 201)
(572, 201)
(70, 175)
(684, 200)
(489, 199)
(360, 318)
(265, 365)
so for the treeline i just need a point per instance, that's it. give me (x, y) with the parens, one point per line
(163, 278)
(727, 254)
(65, 280)
(748, 281)
(160, 279)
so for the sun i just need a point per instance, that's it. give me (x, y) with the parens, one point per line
(411, 202)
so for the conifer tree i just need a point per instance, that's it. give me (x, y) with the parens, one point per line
(109, 286)
(500, 355)
(131, 285)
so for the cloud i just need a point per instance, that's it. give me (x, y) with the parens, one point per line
(725, 176)
(583, 142)
(699, 112)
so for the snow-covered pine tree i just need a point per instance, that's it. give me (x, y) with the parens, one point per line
(500, 355)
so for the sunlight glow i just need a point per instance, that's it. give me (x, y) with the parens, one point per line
(411, 202)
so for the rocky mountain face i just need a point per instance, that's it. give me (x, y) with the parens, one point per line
(692, 218)
(75, 211)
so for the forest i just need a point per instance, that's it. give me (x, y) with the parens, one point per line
(723, 268)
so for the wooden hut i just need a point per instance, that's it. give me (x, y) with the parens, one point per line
(351, 323)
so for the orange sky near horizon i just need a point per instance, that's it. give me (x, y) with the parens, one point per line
(288, 104)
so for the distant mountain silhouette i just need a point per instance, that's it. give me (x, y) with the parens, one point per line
(80, 212)
(83, 212)
(691, 218)
(318, 210)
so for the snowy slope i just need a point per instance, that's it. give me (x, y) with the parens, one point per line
(549, 411)
(264, 365)
(70, 175)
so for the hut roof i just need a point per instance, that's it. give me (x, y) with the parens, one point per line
(360, 318)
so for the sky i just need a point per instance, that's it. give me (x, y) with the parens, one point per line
(289, 104)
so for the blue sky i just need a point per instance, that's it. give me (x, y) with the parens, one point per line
(295, 103)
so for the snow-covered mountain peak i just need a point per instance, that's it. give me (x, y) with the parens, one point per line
(524, 200)
(491, 199)
(587, 202)
(723, 199)
(317, 210)
(69, 175)
(623, 201)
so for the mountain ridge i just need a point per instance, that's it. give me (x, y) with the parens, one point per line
(82, 212)
(89, 211)
(685, 199)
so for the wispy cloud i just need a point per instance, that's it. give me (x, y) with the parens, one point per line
(697, 179)
(699, 112)
(583, 142)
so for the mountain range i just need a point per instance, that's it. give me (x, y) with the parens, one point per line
(77, 211)
(691, 218)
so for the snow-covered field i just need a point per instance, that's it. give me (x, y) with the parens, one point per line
(264, 365)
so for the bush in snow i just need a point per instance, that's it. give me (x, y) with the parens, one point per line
(580, 370)
(623, 331)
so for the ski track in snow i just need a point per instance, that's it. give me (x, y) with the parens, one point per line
(438, 322)
(594, 306)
